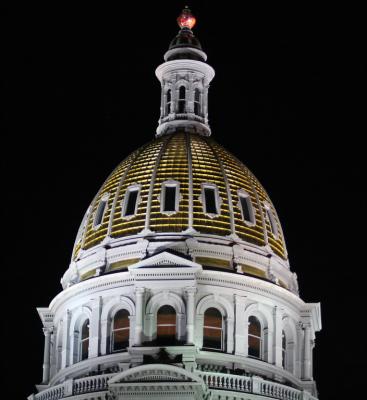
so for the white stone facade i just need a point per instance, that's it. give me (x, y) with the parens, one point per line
(169, 279)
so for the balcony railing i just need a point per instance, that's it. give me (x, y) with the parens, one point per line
(214, 380)
(73, 387)
(255, 385)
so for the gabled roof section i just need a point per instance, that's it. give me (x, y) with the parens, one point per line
(165, 260)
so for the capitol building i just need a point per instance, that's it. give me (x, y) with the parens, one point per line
(179, 285)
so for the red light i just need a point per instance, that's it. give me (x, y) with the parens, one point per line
(186, 19)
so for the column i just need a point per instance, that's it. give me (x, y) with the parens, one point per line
(190, 315)
(53, 352)
(307, 352)
(65, 355)
(230, 333)
(298, 366)
(94, 333)
(46, 355)
(241, 327)
(277, 339)
(139, 306)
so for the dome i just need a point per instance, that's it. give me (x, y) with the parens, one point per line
(185, 38)
(243, 224)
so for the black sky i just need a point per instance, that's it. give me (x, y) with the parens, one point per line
(288, 99)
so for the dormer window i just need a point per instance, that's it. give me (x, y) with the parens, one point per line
(101, 209)
(272, 222)
(170, 197)
(131, 201)
(210, 199)
(197, 102)
(245, 205)
(182, 100)
(168, 101)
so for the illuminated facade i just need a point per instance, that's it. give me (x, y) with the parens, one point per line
(179, 284)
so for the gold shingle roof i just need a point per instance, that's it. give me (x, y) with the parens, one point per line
(191, 160)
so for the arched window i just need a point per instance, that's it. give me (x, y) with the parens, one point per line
(254, 338)
(197, 102)
(166, 325)
(84, 341)
(120, 331)
(182, 100)
(168, 101)
(284, 350)
(213, 329)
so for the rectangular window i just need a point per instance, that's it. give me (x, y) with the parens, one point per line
(254, 346)
(212, 338)
(210, 200)
(130, 202)
(100, 213)
(272, 222)
(170, 198)
(246, 208)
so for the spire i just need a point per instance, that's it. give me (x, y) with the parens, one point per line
(185, 79)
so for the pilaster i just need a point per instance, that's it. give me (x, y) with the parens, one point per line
(307, 374)
(190, 324)
(241, 327)
(46, 355)
(65, 361)
(94, 335)
(139, 306)
(277, 338)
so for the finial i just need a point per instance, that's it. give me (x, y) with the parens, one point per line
(186, 19)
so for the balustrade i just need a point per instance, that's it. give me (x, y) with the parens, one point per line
(217, 380)
(214, 380)
(88, 384)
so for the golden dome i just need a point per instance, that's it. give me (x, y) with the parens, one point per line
(192, 161)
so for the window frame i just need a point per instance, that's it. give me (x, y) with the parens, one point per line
(158, 339)
(260, 338)
(162, 197)
(222, 330)
(103, 200)
(168, 104)
(118, 329)
(217, 198)
(82, 341)
(197, 102)
(129, 189)
(284, 350)
(181, 101)
(243, 194)
(269, 215)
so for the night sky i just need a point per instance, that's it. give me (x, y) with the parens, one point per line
(288, 99)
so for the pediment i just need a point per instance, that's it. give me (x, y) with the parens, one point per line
(165, 260)
(155, 373)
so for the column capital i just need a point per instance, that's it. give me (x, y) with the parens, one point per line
(240, 299)
(140, 290)
(191, 290)
(47, 330)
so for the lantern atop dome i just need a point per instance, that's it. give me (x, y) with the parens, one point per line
(186, 19)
